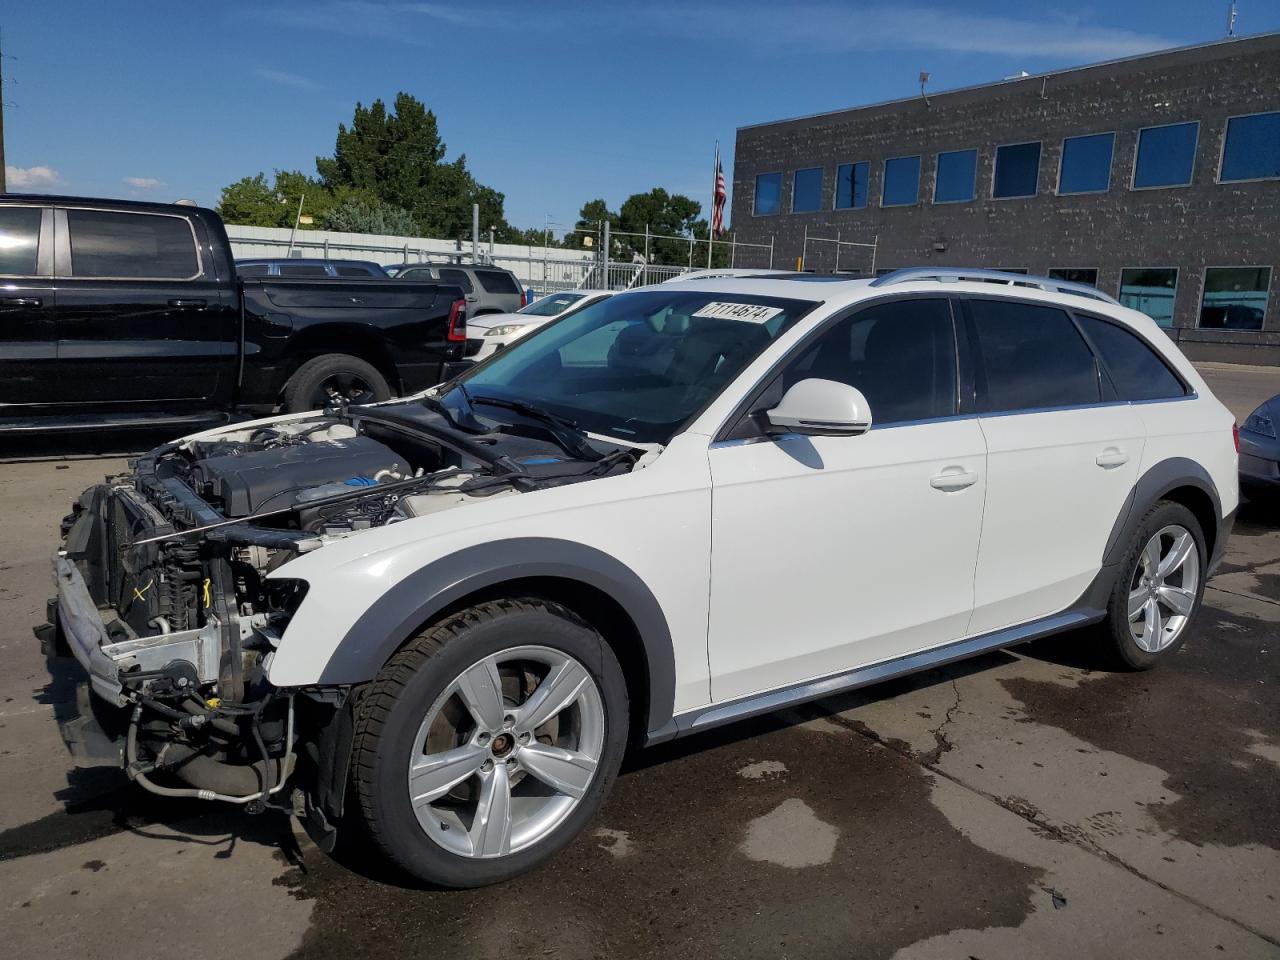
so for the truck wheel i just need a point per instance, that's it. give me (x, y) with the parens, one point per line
(488, 742)
(322, 378)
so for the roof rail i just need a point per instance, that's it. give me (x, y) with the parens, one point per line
(956, 274)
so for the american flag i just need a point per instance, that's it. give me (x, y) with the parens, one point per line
(718, 198)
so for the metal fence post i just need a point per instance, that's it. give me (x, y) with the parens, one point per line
(475, 232)
(326, 248)
(646, 252)
(837, 270)
(771, 251)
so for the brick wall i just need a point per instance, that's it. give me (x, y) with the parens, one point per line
(1204, 224)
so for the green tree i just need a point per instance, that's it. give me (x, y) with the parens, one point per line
(253, 202)
(398, 157)
(590, 217)
(358, 214)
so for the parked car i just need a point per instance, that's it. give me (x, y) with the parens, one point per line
(489, 333)
(117, 313)
(1260, 452)
(489, 289)
(299, 267)
(675, 508)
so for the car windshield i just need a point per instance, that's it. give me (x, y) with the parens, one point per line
(551, 305)
(637, 365)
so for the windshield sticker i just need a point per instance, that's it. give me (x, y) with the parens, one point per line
(746, 312)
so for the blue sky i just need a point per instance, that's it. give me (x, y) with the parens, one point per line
(552, 103)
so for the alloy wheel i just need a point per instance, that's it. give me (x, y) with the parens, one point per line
(506, 753)
(348, 387)
(1163, 588)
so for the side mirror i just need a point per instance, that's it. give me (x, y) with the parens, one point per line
(822, 408)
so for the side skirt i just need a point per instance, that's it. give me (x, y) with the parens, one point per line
(718, 714)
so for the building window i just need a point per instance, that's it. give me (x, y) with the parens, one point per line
(852, 180)
(901, 182)
(1017, 170)
(1087, 275)
(1086, 164)
(1251, 149)
(1166, 156)
(806, 190)
(1150, 290)
(957, 173)
(1235, 298)
(768, 194)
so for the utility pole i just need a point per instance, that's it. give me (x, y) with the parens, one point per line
(475, 233)
(296, 220)
(3, 187)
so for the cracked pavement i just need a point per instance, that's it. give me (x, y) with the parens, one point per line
(1026, 803)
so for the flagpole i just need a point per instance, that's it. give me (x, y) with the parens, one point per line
(715, 180)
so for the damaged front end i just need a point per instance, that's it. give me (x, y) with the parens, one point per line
(163, 595)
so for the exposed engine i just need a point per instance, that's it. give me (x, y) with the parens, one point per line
(173, 558)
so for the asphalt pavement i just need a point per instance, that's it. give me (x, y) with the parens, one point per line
(1026, 803)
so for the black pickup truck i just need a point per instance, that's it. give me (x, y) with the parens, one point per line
(116, 313)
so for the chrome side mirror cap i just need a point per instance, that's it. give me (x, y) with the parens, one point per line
(821, 408)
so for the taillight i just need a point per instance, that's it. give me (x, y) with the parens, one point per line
(524, 298)
(1235, 435)
(457, 322)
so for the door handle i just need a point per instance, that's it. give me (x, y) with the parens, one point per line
(197, 304)
(21, 301)
(1111, 457)
(952, 479)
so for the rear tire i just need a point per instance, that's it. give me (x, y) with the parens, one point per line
(358, 381)
(1158, 591)
(430, 774)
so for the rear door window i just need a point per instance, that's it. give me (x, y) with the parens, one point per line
(1135, 368)
(458, 277)
(1030, 357)
(19, 240)
(132, 245)
(497, 281)
(358, 273)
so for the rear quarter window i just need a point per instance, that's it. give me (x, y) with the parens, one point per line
(1136, 370)
(497, 281)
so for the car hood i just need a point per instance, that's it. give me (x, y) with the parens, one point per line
(489, 320)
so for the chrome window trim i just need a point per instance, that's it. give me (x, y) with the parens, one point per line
(65, 231)
(995, 164)
(1137, 145)
(937, 157)
(1222, 148)
(1062, 153)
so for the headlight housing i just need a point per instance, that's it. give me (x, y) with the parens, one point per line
(1261, 423)
(504, 329)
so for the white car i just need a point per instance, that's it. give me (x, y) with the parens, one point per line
(489, 333)
(449, 615)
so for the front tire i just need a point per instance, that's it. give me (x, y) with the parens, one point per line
(1159, 589)
(488, 742)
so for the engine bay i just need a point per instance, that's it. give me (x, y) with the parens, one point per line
(174, 556)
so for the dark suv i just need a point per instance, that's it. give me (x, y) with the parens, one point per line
(488, 289)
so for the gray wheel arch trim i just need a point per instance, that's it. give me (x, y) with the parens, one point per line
(1158, 480)
(385, 626)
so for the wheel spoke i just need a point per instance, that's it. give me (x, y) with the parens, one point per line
(567, 771)
(1137, 601)
(1151, 627)
(1178, 599)
(560, 688)
(1177, 555)
(491, 830)
(1151, 556)
(481, 691)
(434, 775)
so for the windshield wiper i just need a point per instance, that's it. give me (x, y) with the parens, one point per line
(566, 432)
(437, 406)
